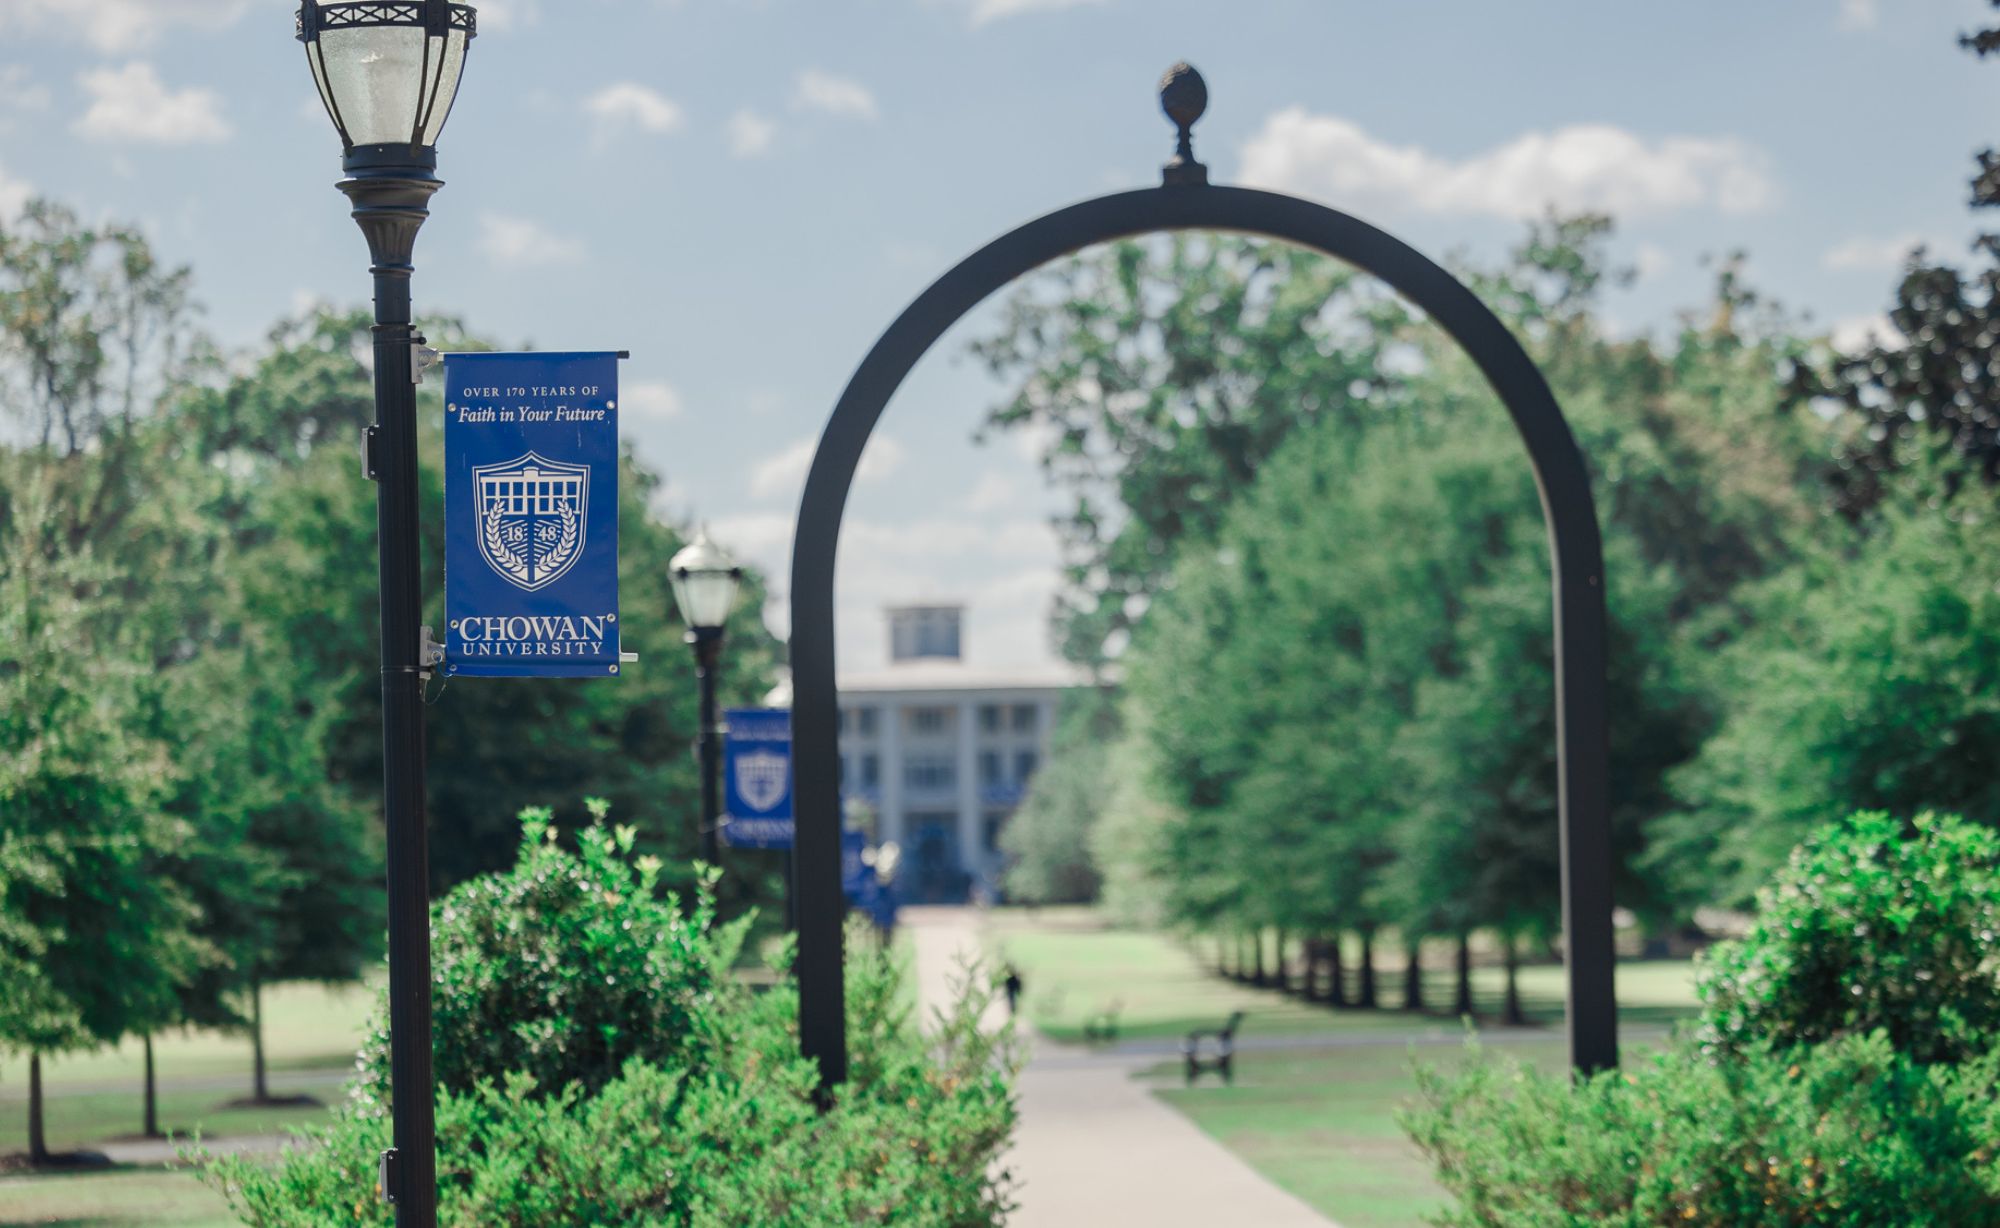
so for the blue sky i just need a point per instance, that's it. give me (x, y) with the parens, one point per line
(745, 192)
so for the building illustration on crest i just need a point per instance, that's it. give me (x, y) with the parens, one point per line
(533, 518)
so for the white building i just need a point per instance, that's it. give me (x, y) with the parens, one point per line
(942, 752)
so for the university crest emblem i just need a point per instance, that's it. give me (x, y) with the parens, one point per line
(532, 518)
(761, 778)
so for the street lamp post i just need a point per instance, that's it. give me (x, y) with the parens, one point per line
(387, 73)
(705, 582)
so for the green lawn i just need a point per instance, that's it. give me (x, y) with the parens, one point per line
(311, 1035)
(1074, 968)
(1319, 1122)
(123, 1199)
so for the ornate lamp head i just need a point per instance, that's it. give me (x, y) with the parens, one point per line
(387, 70)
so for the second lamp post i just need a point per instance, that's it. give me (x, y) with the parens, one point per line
(705, 582)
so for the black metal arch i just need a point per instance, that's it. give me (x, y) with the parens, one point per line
(1583, 741)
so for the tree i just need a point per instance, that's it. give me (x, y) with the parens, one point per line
(1867, 679)
(1935, 381)
(1161, 375)
(1347, 688)
(96, 340)
(92, 940)
(1048, 839)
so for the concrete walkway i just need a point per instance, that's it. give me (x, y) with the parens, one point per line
(1095, 1148)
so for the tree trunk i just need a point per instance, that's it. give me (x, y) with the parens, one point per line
(1279, 976)
(1512, 1013)
(1309, 969)
(261, 1091)
(1462, 1003)
(152, 1125)
(1413, 983)
(1336, 974)
(1257, 974)
(38, 1143)
(1368, 1000)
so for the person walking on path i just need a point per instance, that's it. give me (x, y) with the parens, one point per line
(1013, 987)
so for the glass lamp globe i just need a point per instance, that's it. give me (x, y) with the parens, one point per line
(387, 70)
(705, 583)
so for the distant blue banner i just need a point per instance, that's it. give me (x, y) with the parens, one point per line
(757, 778)
(531, 515)
(855, 873)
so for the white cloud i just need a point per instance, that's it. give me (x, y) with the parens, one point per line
(984, 11)
(1650, 261)
(1858, 14)
(890, 560)
(502, 16)
(784, 474)
(1859, 333)
(627, 103)
(19, 91)
(118, 26)
(14, 193)
(750, 134)
(1583, 166)
(520, 242)
(945, 537)
(754, 534)
(654, 400)
(131, 104)
(819, 91)
(1871, 255)
(995, 492)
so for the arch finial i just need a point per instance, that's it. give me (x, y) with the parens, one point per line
(1184, 97)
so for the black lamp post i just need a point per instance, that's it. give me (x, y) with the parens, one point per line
(388, 71)
(705, 583)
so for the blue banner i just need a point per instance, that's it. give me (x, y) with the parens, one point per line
(855, 873)
(531, 515)
(757, 778)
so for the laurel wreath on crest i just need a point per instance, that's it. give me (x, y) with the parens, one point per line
(511, 561)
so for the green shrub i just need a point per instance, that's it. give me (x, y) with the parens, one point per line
(1849, 1132)
(564, 968)
(711, 1126)
(1843, 1070)
(1874, 923)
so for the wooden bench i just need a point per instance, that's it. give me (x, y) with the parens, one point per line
(1212, 1049)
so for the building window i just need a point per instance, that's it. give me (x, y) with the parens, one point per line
(843, 721)
(937, 634)
(1024, 766)
(989, 767)
(930, 720)
(989, 718)
(995, 823)
(930, 772)
(1027, 718)
(871, 771)
(864, 721)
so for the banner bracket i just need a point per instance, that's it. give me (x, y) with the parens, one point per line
(430, 653)
(422, 359)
